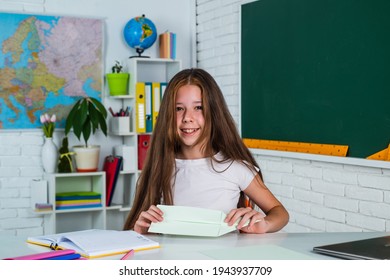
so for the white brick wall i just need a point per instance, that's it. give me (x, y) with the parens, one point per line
(20, 162)
(320, 195)
(323, 196)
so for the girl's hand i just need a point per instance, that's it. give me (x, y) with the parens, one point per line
(153, 214)
(257, 221)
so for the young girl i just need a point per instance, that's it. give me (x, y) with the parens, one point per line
(197, 158)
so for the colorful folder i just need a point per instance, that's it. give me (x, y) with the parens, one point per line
(148, 107)
(163, 86)
(140, 107)
(156, 97)
(143, 145)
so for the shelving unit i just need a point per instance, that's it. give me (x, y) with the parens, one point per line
(111, 217)
(141, 70)
(57, 221)
(149, 69)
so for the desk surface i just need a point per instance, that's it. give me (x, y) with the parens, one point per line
(272, 246)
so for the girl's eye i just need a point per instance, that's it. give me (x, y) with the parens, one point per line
(199, 108)
(179, 109)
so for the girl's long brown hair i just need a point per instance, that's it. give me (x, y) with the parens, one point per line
(220, 134)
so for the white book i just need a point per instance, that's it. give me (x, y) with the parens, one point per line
(95, 243)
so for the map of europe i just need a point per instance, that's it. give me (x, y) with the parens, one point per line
(46, 64)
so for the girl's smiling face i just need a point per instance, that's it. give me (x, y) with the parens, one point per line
(189, 120)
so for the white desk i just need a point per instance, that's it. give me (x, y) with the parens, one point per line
(273, 246)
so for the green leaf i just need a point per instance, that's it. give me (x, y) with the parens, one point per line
(94, 116)
(87, 131)
(103, 124)
(87, 115)
(70, 118)
(78, 124)
(84, 111)
(99, 106)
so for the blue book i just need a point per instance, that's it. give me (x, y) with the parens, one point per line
(78, 206)
(173, 45)
(65, 257)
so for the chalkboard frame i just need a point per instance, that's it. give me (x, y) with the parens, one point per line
(339, 94)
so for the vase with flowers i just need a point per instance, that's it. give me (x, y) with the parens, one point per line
(49, 148)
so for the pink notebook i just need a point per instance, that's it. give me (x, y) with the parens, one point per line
(42, 256)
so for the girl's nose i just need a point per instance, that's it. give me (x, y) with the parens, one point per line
(187, 118)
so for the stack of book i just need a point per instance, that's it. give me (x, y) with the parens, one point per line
(42, 207)
(74, 200)
(167, 45)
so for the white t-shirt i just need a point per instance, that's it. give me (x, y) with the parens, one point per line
(199, 185)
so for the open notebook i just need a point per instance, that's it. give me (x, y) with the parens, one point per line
(96, 243)
(184, 220)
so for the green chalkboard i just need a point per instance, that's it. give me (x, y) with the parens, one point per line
(317, 71)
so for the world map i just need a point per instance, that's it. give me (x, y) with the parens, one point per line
(46, 64)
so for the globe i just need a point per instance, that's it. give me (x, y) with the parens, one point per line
(140, 33)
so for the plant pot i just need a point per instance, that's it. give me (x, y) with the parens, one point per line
(87, 158)
(118, 83)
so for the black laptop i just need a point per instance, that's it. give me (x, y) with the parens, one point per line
(367, 249)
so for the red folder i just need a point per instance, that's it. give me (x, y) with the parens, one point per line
(143, 145)
(112, 166)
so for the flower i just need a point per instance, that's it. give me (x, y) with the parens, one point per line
(48, 124)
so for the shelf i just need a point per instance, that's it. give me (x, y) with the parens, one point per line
(61, 220)
(121, 96)
(128, 172)
(149, 69)
(75, 174)
(123, 133)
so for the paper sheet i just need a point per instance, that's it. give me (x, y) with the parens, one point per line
(183, 220)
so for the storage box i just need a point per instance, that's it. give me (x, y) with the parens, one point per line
(120, 124)
(128, 153)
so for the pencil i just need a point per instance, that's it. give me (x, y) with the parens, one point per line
(128, 255)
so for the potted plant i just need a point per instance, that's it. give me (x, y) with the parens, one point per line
(86, 116)
(117, 80)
